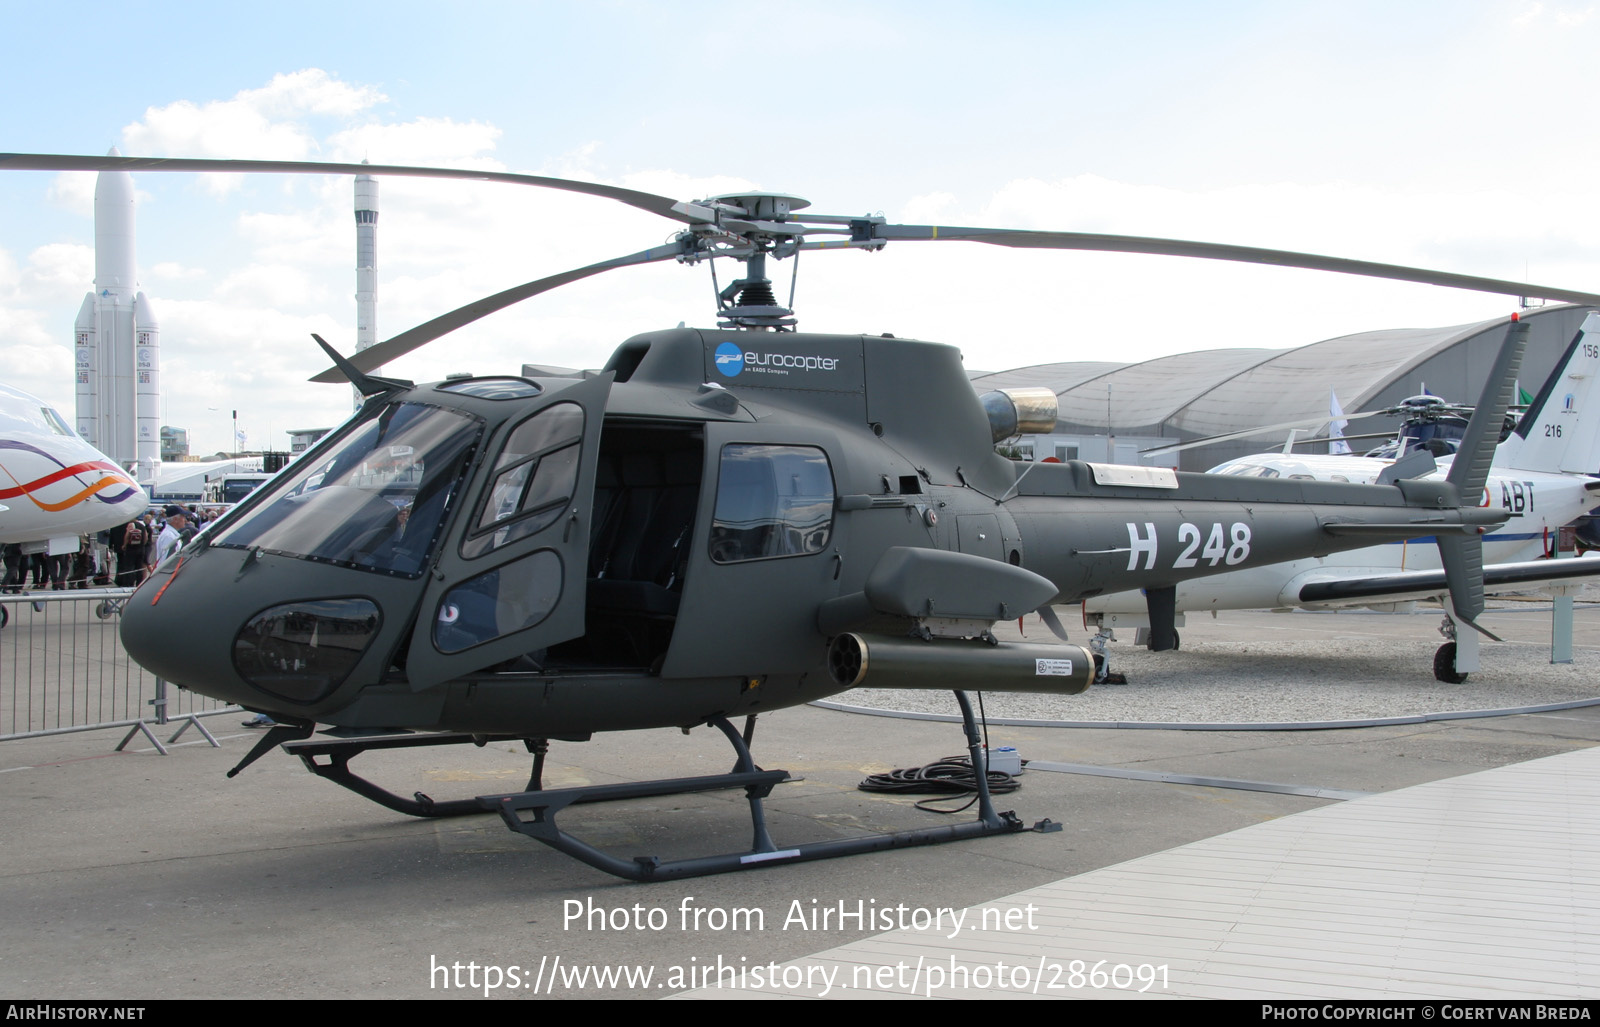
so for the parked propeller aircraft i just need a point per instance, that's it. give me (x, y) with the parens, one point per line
(1542, 477)
(716, 524)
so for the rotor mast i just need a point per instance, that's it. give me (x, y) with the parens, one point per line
(750, 227)
(747, 227)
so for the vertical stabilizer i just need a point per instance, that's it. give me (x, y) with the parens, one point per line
(1560, 432)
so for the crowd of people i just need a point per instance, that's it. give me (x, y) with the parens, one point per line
(123, 556)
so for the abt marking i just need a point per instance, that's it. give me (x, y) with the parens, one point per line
(1517, 497)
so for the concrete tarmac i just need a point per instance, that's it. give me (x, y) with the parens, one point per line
(136, 876)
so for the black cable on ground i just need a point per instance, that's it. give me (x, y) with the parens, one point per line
(950, 776)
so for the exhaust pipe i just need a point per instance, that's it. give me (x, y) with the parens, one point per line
(1026, 411)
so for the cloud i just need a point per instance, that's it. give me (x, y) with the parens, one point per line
(73, 190)
(928, 209)
(173, 271)
(310, 90)
(25, 362)
(60, 267)
(269, 123)
(1563, 17)
(423, 141)
(38, 300)
(275, 286)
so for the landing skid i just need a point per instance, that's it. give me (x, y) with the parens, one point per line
(340, 753)
(533, 812)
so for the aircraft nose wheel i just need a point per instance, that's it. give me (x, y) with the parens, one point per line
(1103, 674)
(1444, 665)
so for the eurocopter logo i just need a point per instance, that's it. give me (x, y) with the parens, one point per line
(731, 360)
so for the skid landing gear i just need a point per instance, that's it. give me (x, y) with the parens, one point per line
(533, 812)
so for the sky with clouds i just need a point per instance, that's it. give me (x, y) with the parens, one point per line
(1455, 135)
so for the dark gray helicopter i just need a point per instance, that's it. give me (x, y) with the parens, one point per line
(717, 523)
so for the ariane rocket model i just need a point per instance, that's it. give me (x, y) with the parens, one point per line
(117, 341)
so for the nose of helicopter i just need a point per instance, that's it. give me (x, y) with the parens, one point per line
(227, 623)
(170, 634)
(320, 572)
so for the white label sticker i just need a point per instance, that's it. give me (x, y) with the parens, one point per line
(1055, 668)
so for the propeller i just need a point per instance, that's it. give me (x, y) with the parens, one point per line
(749, 227)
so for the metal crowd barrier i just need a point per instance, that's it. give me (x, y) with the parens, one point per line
(63, 669)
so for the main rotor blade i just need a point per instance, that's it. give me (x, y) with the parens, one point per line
(1266, 429)
(662, 205)
(1026, 239)
(398, 346)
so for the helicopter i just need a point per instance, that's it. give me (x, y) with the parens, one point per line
(718, 523)
(1426, 422)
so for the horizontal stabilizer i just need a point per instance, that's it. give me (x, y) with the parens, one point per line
(1408, 585)
(1400, 530)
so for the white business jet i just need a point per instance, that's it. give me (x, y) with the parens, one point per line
(54, 487)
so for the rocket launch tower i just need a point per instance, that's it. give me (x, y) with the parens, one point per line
(366, 266)
(117, 342)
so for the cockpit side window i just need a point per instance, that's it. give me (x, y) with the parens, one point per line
(58, 424)
(772, 501)
(535, 475)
